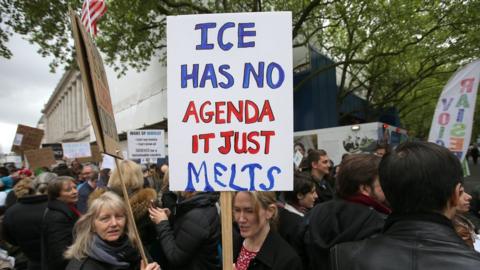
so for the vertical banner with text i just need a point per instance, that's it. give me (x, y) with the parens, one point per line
(453, 119)
(230, 101)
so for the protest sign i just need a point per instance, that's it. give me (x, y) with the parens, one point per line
(297, 158)
(230, 102)
(453, 119)
(108, 162)
(146, 144)
(38, 158)
(97, 93)
(26, 138)
(57, 149)
(76, 150)
(95, 156)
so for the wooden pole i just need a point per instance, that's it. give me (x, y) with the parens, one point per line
(227, 220)
(130, 213)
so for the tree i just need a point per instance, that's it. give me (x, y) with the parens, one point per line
(394, 53)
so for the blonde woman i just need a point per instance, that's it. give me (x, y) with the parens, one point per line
(104, 238)
(261, 248)
(140, 197)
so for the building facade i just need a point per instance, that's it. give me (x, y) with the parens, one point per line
(65, 114)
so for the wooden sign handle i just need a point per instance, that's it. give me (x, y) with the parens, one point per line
(130, 214)
(227, 221)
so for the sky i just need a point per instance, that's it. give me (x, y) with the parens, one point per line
(26, 84)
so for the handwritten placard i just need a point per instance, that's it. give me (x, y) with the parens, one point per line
(39, 158)
(76, 150)
(230, 102)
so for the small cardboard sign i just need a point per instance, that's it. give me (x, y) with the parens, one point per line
(57, 149)
(95, 157)
(38, 158)
(27, 138)
(97, 93)
(146, 144)
(297, 159)
(76, 150)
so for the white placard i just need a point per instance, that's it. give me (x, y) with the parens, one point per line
(76, 150)
(18, 139)
(143, 144)
(108, 162)
(230, 101)
(297, 158)
(148, 161)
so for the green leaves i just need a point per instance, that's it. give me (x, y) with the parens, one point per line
(392, 52)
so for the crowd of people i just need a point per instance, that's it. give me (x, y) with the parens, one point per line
(402, 208)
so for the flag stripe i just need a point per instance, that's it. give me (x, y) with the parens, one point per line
(92, 11)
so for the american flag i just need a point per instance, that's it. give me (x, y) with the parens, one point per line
(92, 11)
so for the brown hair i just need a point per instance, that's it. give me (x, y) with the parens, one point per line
(356, 170)
(314, 156)
(56, 186)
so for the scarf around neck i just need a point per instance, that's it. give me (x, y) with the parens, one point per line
(120, 254)
(367, 201)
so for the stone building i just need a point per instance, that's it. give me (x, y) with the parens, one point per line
(65, 114)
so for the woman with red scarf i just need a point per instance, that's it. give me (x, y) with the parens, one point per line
(358, 212)
(58, 221)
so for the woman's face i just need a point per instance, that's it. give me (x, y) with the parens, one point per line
(68, 194)
(110, 224)
(250, 223)
(464, 202)
(308, 200)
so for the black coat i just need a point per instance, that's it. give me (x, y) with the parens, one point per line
(22, 225)
(333, 222)
(275, 254)
(409, 244)
(92, 264)
(192, 241)
(57, 234)
(288, 224)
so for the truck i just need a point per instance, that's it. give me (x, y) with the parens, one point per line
(359, 138)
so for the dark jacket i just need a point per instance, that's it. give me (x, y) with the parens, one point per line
(192, 241)
(334, 222)
(22, 225)
(288, 224)
(325, 191)
(419, 244)
(57, 228)
(275, 254)
(83, 192)
(92, 264)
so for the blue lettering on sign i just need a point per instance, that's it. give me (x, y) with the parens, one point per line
(204, 45)
(200, 177)
(224, 46)
(242, 33)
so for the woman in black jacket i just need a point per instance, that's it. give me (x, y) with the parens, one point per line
(22, 223)
(262, 248)
(193, 240)
(104, 238)
(58, 221)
